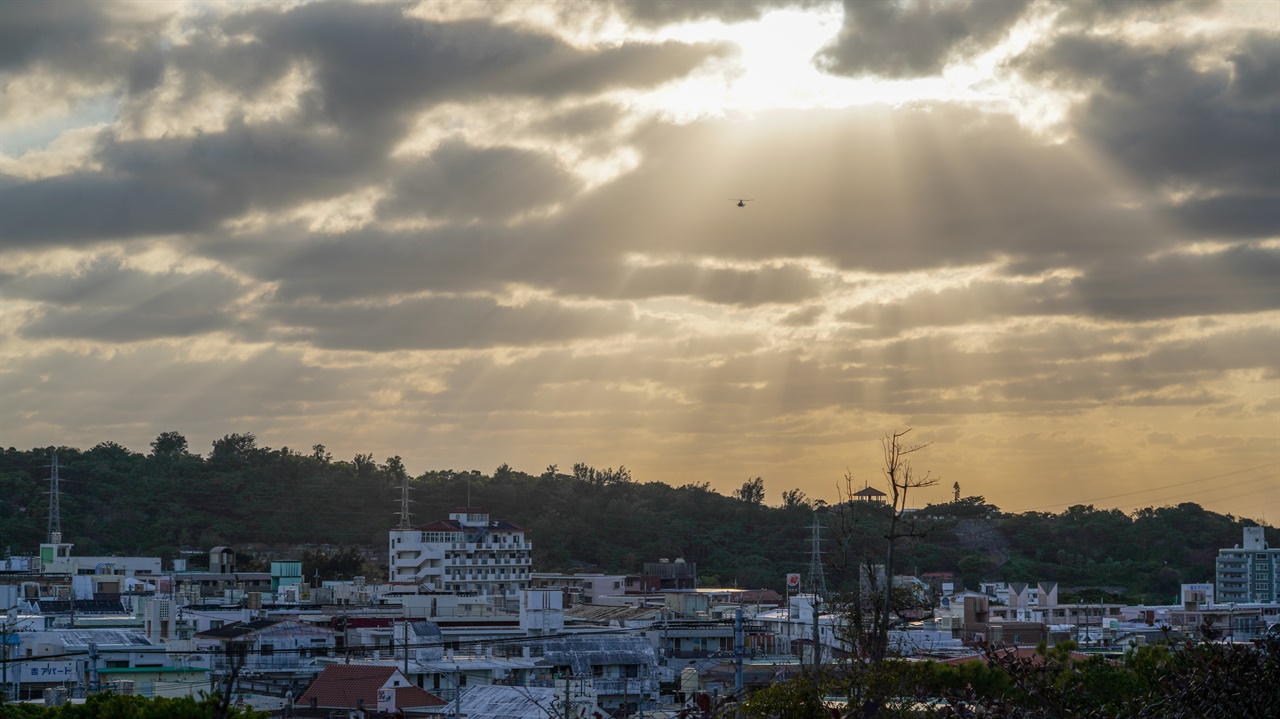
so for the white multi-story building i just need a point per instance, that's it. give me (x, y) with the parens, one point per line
(1249, 572)
(468, 552)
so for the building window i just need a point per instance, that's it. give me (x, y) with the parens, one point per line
(267, 650)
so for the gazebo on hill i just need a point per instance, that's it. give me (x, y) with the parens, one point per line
(869, 494)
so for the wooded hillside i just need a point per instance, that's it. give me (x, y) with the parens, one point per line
(118, 501)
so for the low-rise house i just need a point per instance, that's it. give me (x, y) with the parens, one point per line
(266, 644)
(580, 588)
(178, 681)
(524, 703)
(621, 668)
(368, 687)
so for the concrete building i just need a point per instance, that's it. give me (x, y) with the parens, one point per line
(669, 576)
(581, 588)
(1249, 572)
(56, 558)
(468, 552)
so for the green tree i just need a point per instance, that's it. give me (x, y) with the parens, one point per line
(751, 491)
(117, 706)
(169, 444)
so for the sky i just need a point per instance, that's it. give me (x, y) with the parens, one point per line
(1044, 237)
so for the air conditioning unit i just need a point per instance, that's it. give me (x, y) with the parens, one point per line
(124, 686)
(946, 623)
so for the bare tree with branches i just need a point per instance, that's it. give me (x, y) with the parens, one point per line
(902, 479)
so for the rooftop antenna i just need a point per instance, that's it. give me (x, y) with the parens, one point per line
(817, 580)
(404, 503)
(55, 509)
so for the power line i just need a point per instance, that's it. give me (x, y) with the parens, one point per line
(1153, 489)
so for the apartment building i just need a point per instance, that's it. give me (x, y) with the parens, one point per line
(1250, 571)
(468, 552)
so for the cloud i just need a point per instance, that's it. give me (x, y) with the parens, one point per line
(175, 185)
(372, 64)
(747, 287)
(446, 323)
(1240, 279)
(107, 302)
(802, 317)
(928, 189)
(459, 182)
(89, 41)
(513, 235)
(1236, 280)
(370, 69)
(1207, 130)
(128, 392)
(666, 12)
(895, 39)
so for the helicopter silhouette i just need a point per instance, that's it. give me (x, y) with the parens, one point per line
(742, 203)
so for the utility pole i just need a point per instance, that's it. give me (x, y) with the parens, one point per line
(817, 644)
(737, 653)
(93, 668)
(457, 692)
(406, 648)
(4, 657)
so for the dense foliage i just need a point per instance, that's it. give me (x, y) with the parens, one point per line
(118, 501)
(1200, 680)
(116, 706)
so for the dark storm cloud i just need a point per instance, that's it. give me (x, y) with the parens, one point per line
(88, 41)
(181, 184)
(1235, 281)
(460, 182)
(107, 302)
(373, 65)
(1177, 121)
(447, 323)
(900, 39)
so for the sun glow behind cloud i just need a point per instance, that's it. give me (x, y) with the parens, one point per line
(954, 251)
(774, 68)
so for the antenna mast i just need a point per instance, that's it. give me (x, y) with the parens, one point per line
(956, 486)
(404, 503)
(817, 580)
(55, 508)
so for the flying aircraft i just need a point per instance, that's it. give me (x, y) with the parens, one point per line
(742, 203)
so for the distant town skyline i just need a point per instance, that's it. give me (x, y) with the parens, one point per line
(1045, 236)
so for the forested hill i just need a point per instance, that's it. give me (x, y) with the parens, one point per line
(117, 501)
